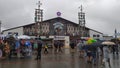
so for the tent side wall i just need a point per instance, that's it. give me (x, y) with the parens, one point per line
(18, 30)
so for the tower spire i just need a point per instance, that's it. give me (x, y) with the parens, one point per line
(39, 4)
(38, 13)
(115, 33)
(81, 8)
(81, 20)
(38, 18)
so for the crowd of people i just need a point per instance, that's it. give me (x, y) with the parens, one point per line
(11, 47)
(22, 47)
(14, 47)
(92, 52)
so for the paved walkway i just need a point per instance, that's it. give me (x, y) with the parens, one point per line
(61, 60)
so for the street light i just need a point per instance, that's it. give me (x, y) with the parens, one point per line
(0, 27)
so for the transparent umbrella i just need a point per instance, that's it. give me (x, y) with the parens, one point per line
(24, 37)
(108, 43)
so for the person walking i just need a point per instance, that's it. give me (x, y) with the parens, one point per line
(46, 48)
(94, 54)
(106, 55)
(55, 47)
(17, 48)
(80, 48)
(72, 48)
(60, 44)
(88, 49)
(1, 48)
(116, 48)
(39, 49)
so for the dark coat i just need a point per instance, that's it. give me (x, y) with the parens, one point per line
(39, 45)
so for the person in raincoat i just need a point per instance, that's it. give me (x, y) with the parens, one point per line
(46, 48)
(106, 54)
(17, 47)
(28, 48)
(80, 47)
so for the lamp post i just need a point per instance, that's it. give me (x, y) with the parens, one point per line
(0, 27)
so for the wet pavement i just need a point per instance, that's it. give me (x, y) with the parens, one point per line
(60, 60)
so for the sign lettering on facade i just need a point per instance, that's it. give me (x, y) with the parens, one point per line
(59, 38)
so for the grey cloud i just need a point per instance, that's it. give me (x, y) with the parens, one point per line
(14, 13)
(101, 15)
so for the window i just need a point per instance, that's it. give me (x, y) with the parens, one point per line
(94, 35)
(98, 35)
(43, 28)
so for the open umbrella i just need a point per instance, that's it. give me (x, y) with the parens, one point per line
(98, 43)
(24, 37)
(108, 43)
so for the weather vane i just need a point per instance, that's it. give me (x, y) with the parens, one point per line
(39, 3)
(58, 13)
(81, 8)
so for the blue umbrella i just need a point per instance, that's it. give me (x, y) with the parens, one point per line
(27, 43)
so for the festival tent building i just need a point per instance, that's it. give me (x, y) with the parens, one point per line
(57, 28)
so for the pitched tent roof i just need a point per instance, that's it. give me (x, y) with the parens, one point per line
(43, 21)
(59, 18)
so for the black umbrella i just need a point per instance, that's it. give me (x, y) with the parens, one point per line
(96, 44)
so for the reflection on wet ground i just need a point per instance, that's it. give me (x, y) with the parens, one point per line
(61, 60)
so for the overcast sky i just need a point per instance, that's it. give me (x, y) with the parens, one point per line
(101, 15)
